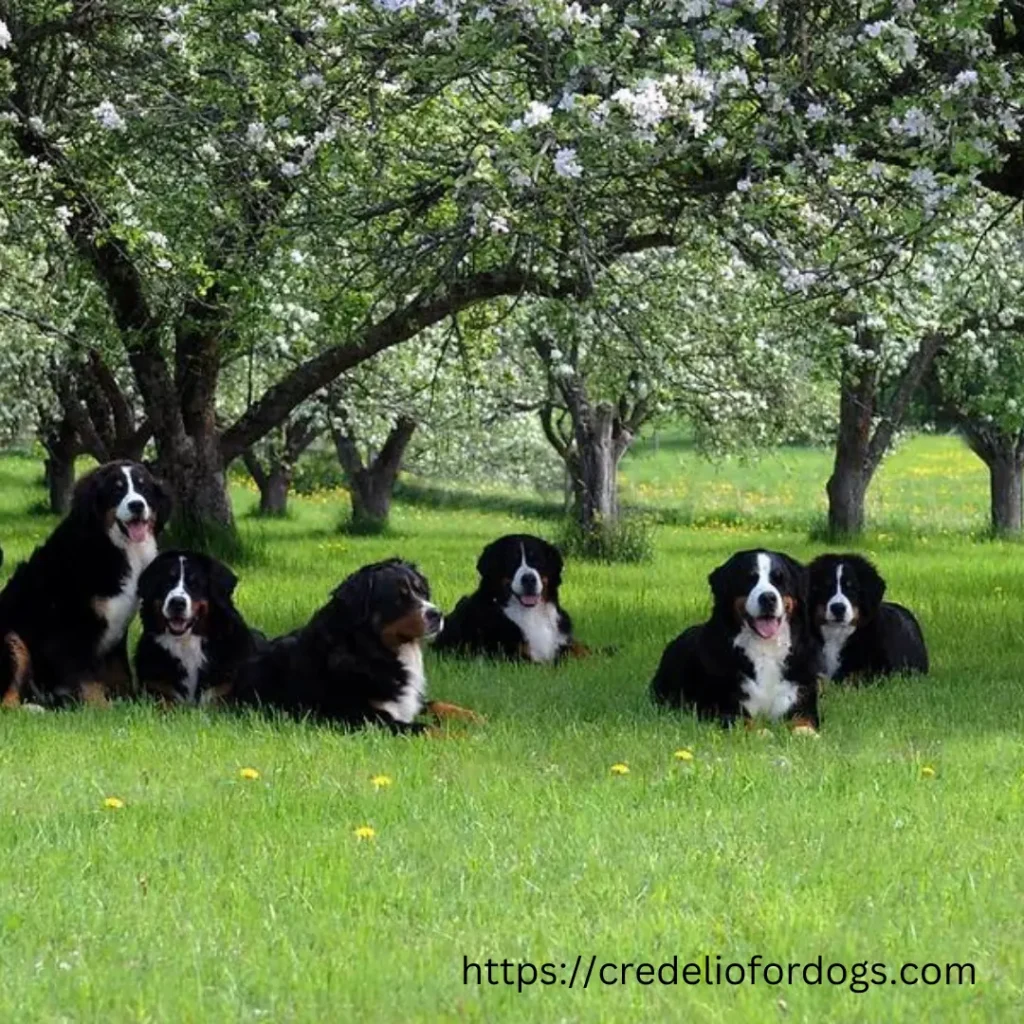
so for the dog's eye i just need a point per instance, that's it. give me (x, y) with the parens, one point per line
(775, 576)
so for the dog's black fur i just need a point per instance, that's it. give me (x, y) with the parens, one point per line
(886, 637)
(64, 613)
(703, 669)
(194, 640)
(346, 666)
(495, 622)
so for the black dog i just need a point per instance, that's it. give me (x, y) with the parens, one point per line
(359, 660)
(859, 633)
(754, 656)
(193, 640)
(514, 612)
(64, 614)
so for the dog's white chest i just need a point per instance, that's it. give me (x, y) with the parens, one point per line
(539, 626)
(118, 611)
(187, 651)
(409, 703)
(834, 637)
(767, 692)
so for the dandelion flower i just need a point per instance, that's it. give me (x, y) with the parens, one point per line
(620, 769)
(114, 803)
(381, 781)
(683, 755)
(248, 773)
(364, 832)
(927, 772)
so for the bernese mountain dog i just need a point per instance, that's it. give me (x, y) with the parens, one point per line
(359, 661)
(754, 657)
(64, 613)
(859, 633)
(194, 639)
(514, 612)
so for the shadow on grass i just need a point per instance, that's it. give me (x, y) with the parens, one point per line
(446, 498)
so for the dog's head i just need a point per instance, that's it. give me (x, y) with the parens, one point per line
(520, 567)
(845, 589)
(178, 590)
(758, 590)
(391, 599)
(125, 500)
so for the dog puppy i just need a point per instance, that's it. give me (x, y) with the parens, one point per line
(860, 634)
(193, 640)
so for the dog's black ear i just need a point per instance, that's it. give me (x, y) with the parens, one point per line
(87, 497)
(353, 598)
(163, 503)
(488, 565)
(801, 577)
(148, 579)
(718, 579)
(222, 580)
(555, 562)
(872, 586)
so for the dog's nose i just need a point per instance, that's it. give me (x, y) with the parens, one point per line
(838, 610)
(530, 583)
(432, 617)
(176, 607)
(137, 508)
(767, 602)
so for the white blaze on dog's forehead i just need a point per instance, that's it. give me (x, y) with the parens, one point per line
(839, 598)
(180, 591)
(123, 511)
(763, 585)
(524, 569)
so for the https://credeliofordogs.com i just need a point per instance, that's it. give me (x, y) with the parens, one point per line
(583, 971)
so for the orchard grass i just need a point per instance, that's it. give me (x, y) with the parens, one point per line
(197, 867)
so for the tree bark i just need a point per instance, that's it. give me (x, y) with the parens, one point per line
(274, 480)
(860, 442)
(1003, 454)
(61, 444)
(1006, 476)
(372, 483)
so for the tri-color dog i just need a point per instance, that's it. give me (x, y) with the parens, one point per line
(754, 657)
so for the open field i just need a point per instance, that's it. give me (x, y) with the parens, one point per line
(893, 838)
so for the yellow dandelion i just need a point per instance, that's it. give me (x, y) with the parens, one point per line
(381, 781)
(683, 755)
(114, 803)
(620, 769)
(248, 773)
(364, 832)
(927, 772)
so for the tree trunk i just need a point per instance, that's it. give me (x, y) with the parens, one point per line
(1006, 476)
(847, 489)
(599, 452)
(273, 484)
(61, 444)
(372, 486)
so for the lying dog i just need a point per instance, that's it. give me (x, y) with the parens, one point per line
(193, 640)
(754, 656)
(859, 633)
(359, 661)
(514, 612)
(64, 614)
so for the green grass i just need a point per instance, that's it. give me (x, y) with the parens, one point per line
(212, 898)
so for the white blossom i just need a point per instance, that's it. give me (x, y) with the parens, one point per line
(816, 112)
(565, 163)
(107, 115)
(290, 169)
(313, 80)
(252, 37)
(5, 35)
(536, 113)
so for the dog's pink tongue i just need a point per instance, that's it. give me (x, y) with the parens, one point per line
(138, 532)
(766, 628)
(528, 599)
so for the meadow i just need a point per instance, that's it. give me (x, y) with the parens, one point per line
(346, 876)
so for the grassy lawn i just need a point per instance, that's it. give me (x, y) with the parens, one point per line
(893, 838)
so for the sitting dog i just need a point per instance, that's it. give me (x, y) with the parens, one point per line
(754, 656)
(193, 640)
(514, 612)
(359, 661)
(64, 613)
(859, 633)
